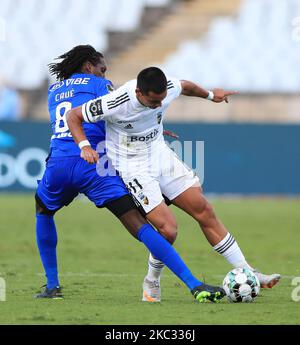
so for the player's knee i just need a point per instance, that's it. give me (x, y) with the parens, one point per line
(169, 230)
(171, 236)
(205, 212)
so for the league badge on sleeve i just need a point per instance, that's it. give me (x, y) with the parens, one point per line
(96, 108)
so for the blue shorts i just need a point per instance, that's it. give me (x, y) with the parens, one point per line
(66, 177)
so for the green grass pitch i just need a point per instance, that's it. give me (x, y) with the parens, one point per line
(102, 267)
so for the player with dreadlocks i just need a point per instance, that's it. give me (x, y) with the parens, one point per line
(81, 75)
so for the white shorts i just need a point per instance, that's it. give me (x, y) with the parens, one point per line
(169, 177)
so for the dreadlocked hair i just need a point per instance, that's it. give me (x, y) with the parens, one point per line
(73, 60)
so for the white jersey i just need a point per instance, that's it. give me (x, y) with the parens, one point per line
(133, 131)
(136, 147)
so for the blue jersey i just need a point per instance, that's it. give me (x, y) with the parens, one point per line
(67, 94)
(66, 173)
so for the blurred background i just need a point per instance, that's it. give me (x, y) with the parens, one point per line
(252, 46)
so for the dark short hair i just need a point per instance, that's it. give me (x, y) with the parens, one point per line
(72, 61)
(152, 79)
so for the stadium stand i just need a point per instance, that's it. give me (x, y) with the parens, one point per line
(252, 53)
(245, 45)
(189, 20)
(39, 30)
(36, 31)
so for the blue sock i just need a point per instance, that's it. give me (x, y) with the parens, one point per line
(163, 251)
(46, 238)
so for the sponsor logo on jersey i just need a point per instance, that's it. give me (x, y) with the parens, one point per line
(68, 82)
(96, 108)
(147, 137)
(61, 135)
(56, 86)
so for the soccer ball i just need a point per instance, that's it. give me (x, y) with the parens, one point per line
(241, 285)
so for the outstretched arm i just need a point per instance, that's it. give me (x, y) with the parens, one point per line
(216, 95)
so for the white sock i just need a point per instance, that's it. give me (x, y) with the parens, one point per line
(155, 268)
(230, 250)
